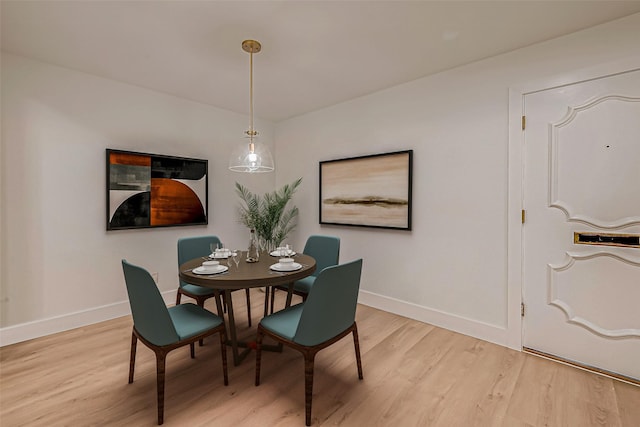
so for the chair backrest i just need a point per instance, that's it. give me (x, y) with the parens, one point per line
(330, 307)
(150, 314)
(194, 247)
(324, 249)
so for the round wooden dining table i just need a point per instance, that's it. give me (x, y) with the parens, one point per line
(245, 275)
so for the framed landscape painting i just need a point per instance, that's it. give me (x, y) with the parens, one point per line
(151, 190)
(367, 191)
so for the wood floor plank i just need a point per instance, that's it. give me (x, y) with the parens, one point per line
(587, 398)
(628, 402)
(482, 396)
(414, 375)
(533, 400)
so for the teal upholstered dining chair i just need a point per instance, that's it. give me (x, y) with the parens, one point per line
(196, 247)
(326, 251)
(164, 329)
(327, 315)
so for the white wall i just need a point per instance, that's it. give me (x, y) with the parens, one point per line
(60, 268)
(452, 269)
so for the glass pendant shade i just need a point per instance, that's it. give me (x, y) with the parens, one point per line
(251, 157)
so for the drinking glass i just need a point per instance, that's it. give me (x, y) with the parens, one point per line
(229, 260)
(236, 255)
(213, 247)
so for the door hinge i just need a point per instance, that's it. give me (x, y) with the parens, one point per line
(524, 216)
(522, 309)
(524, 122)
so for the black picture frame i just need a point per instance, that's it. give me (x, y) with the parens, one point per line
(152, 190)
(367, 191)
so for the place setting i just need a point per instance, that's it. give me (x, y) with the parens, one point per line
(210, 267)
(285, 265)
(218, 251)
(283, 251)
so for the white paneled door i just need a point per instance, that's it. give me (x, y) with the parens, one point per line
(581, 257)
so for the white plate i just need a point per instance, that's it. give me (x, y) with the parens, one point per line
(280, 255)
(220, 269)
(282, 267)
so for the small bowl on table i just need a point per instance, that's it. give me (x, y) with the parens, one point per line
(210, 265)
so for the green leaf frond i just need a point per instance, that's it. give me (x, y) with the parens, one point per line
(268, 214)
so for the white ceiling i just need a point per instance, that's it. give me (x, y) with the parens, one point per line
(315, 53)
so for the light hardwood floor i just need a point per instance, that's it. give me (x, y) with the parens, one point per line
(414, 375)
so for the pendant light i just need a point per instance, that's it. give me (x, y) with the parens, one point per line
(251, 156)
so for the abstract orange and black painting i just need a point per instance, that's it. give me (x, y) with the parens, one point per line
(149, 190)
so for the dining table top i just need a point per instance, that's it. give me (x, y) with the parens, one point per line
(246, 274)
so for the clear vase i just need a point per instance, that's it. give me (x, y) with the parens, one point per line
(253, 253)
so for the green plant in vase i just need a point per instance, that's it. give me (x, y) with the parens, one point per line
(269, 215)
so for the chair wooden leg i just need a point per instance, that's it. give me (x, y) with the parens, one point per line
(132, 360)
(223, 351)
(273, 298)
(200, 302)
(267, 291)
(178, 296)
(248, 305)
(356, 344)
(192, 348)
(160, 366)
(308, 384)
(259, 336)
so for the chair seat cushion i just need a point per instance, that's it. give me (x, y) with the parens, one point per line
(285, 322)
(304, 284)
(190, 320)
(195, 289)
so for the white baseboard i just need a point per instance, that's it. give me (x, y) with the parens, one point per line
(40, 328)
(473, 328)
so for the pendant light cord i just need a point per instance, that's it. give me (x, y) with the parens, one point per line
(251, 132)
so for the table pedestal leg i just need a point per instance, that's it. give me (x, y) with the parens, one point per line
(232, 335)
(237, 357)
(289, 295)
